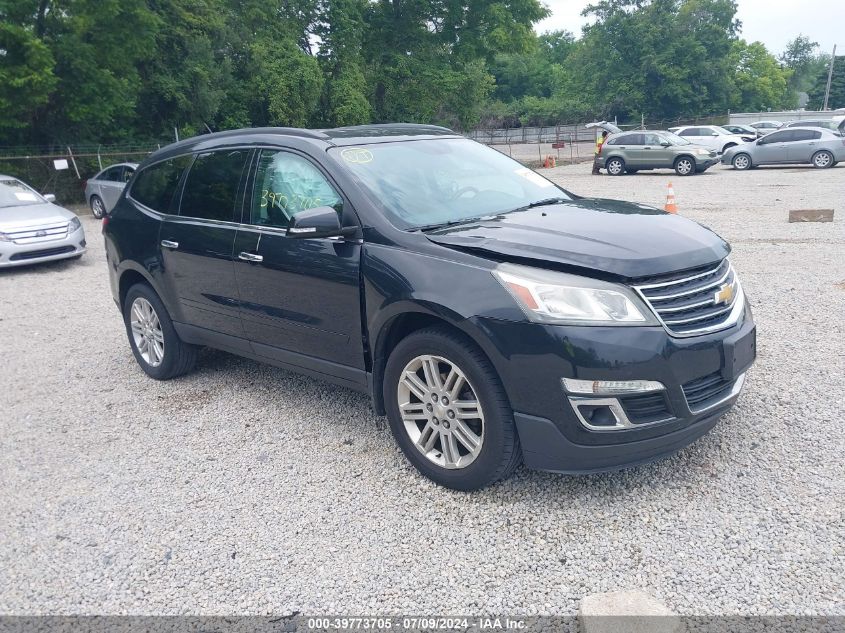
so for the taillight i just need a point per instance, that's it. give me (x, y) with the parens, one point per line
(105, 223)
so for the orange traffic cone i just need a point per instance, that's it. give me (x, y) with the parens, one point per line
(670, 207)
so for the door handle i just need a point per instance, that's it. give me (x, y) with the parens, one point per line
(250, 257)
(169, 244)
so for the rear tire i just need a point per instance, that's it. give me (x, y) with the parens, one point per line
(615, 167)
(98, 207)
(155, 344)
(823, 160)
(437, 362)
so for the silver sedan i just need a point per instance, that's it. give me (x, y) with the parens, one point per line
(33, 229)
(814, 146)
(103, 190)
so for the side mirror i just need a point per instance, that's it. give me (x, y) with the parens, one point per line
(714, 134)
(665, 143)
(317, 222)
(50, 197)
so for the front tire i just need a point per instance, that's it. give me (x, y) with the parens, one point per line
(155, 344)
(823, 160)
(741, 162)
(98, 207)
(615, 167)
(685, 166)
(464, 439)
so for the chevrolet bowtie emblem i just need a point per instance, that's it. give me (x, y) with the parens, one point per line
(725, 295)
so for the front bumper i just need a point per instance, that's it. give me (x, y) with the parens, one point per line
(35, 252)
(701, 375)
(707, 163)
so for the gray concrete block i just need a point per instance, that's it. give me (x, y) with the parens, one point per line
(811, 215)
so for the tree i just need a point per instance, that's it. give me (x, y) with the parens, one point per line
(800, 57)
(759, 81)
(185, 82)
(26, 76)
(662, 58)
(341, 31)
(837, 86)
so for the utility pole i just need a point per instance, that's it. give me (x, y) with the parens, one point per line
(829, 78)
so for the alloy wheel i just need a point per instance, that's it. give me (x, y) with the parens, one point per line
(614, 167)
(822, 160)
(98, 207)
(684, 166)
(742, 161)
(146, 332)
(441, 412)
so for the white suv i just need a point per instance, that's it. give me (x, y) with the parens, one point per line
(712, 137)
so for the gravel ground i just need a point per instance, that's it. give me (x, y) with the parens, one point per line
(246, 489)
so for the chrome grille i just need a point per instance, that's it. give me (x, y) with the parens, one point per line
(696, 301)
(37, 234)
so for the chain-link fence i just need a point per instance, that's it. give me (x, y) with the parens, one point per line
(64, 171)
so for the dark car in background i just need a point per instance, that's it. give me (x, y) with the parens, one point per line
(492, 315)
(630, 152)
(743, 130)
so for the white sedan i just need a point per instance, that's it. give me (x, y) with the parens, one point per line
(712, 137)
(33, 229)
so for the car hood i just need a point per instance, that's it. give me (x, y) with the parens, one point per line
(32, 215)
(597, 235)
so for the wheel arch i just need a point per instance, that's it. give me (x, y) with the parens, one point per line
(128, 278)
(401, 325)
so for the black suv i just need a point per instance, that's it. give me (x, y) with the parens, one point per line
(493, 316)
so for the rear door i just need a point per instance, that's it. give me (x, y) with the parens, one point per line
(632, 144)
(803, 145)
(111, 185)
(300, 298)
(196, 244)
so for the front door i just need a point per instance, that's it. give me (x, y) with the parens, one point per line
(300, 298)
(773, 148)
(654, 153)
(197, 244)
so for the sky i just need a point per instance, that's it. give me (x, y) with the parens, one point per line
(773, 22)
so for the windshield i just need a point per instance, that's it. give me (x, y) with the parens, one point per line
(13, 193)
(442, 181)
(675, 139)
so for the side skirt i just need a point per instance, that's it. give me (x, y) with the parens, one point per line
(341, 375)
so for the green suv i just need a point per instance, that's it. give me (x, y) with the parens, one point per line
(629, 152)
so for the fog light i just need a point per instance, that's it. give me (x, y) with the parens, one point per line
(610, 387)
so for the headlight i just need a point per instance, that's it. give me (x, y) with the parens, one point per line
(552, 297)
(73, 225)
(703, 152)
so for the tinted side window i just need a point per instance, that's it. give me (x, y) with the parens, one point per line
(805, 135)
(287, 184)
(113, 174)
(693, 131)
(155, 185)
(651, 139)
(212, 185)
(779, 137)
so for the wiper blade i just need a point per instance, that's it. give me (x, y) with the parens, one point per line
(447, 223)
(546, 202)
